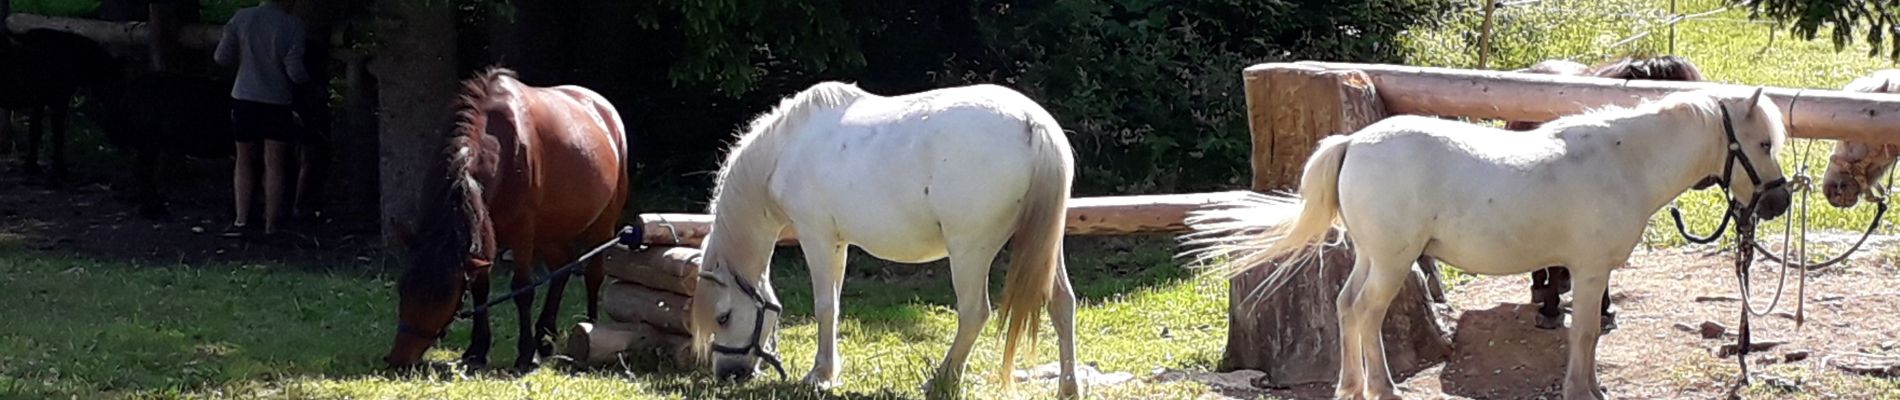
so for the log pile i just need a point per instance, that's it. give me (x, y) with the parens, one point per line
(643, 306)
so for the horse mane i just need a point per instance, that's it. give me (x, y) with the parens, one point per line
(455, 227)
(753, 156)
(1882, 81)
(1661, 68)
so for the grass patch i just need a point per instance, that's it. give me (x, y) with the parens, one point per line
(107, 329)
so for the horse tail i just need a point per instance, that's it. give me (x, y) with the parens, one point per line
(1036, 248)
(1261, 228)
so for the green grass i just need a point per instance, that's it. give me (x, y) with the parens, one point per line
(90, 328)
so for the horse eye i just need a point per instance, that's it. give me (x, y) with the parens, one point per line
(1767, 146)
(724, 318)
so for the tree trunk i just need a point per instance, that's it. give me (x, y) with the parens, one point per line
(117, 36)
(416, 70)
(1292, 334)
(629, 302)
(670, 269)
(163, 45)
(360, 138)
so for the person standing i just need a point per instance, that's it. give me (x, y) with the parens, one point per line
(266, 45)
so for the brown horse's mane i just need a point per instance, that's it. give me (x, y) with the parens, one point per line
(456, 227)
(1662, 68)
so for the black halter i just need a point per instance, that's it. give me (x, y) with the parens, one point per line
(1735, 155)
(753, 346)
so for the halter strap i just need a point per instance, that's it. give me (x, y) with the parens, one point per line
(753, 346)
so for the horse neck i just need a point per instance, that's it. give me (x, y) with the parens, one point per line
(1671, 151)
(743, 238)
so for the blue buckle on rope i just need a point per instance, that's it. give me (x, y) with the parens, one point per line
(633, 236)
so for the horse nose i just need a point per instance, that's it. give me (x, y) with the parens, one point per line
(736, 373)
(1773, 203)
(1841, 193)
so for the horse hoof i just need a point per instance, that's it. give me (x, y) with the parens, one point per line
(1070, 389)
(527, 364)
(475, 363)
(1609, 323)
(1549, 322)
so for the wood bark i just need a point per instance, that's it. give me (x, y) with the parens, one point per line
(670, 269)
(1818, 114)
(1292, 334)
(417, 74)
(1111, 215)
(629, 302)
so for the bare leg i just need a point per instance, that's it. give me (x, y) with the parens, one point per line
(969, 267)
(1580, 380)
(826, 260)
(1351, 382)
(275, 154)
(244, 180)
(1381, 285)
(1062, 314)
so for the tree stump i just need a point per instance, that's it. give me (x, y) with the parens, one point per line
(597, 344)
(1293, 334)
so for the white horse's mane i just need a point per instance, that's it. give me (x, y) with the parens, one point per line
(752, 157)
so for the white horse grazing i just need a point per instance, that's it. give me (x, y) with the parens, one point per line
(1576, 192)
(951, 172)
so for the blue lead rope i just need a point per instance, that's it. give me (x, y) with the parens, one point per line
(632, 236)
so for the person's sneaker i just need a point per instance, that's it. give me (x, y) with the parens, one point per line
(235, 231)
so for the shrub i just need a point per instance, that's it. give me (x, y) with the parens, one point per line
(1579, 30)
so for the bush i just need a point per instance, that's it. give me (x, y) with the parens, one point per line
(1151, 90)
(1586, 31)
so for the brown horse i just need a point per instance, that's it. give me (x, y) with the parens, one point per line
(532, 170)
(1854, 166)
(1547, 285)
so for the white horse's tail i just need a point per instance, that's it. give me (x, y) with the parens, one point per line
(1243, 234)
(1036, 248)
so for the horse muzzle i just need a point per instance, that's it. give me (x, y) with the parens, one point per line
(1842, 193)
(1772, 202)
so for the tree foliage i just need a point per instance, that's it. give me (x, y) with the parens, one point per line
(1806, 18)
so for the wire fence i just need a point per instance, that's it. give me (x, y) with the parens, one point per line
(1663, 21)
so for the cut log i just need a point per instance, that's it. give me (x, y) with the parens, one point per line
(1292, 334)
(1883, 366)
(1111, 215)
(629, 302)
(596, 344)
(671, 269)
(133, 34)
(1820, 113)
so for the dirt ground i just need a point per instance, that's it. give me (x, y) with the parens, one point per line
(86, 216)
(1657, 351)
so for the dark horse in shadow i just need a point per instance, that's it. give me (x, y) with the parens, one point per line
(40, 72)
(167, 114)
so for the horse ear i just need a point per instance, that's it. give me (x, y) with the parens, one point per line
(1753, 99)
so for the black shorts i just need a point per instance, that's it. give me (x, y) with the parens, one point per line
(252, 121)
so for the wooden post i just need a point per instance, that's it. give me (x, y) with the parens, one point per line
(1484, 37)
(1292, 334)
(164, 33)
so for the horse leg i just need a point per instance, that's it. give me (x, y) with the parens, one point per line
(554, 257)
(969, 273)
(524, 306)
(1352, 373)
(1375, 296)
(1544, 292)
(480, 337)
(1436, 286)
(1062, 314)
(1580, 379)
(826, 260)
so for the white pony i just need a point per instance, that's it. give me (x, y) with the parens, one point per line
(1576, 192)
(950, 172)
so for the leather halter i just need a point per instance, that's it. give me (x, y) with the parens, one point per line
(1735, 155)
(753, 346)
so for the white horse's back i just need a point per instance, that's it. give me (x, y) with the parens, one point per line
(897, 175)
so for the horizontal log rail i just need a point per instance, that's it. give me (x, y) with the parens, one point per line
(1818, 114)
(1112, 215)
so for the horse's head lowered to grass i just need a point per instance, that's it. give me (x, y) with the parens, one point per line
(1855, 166)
